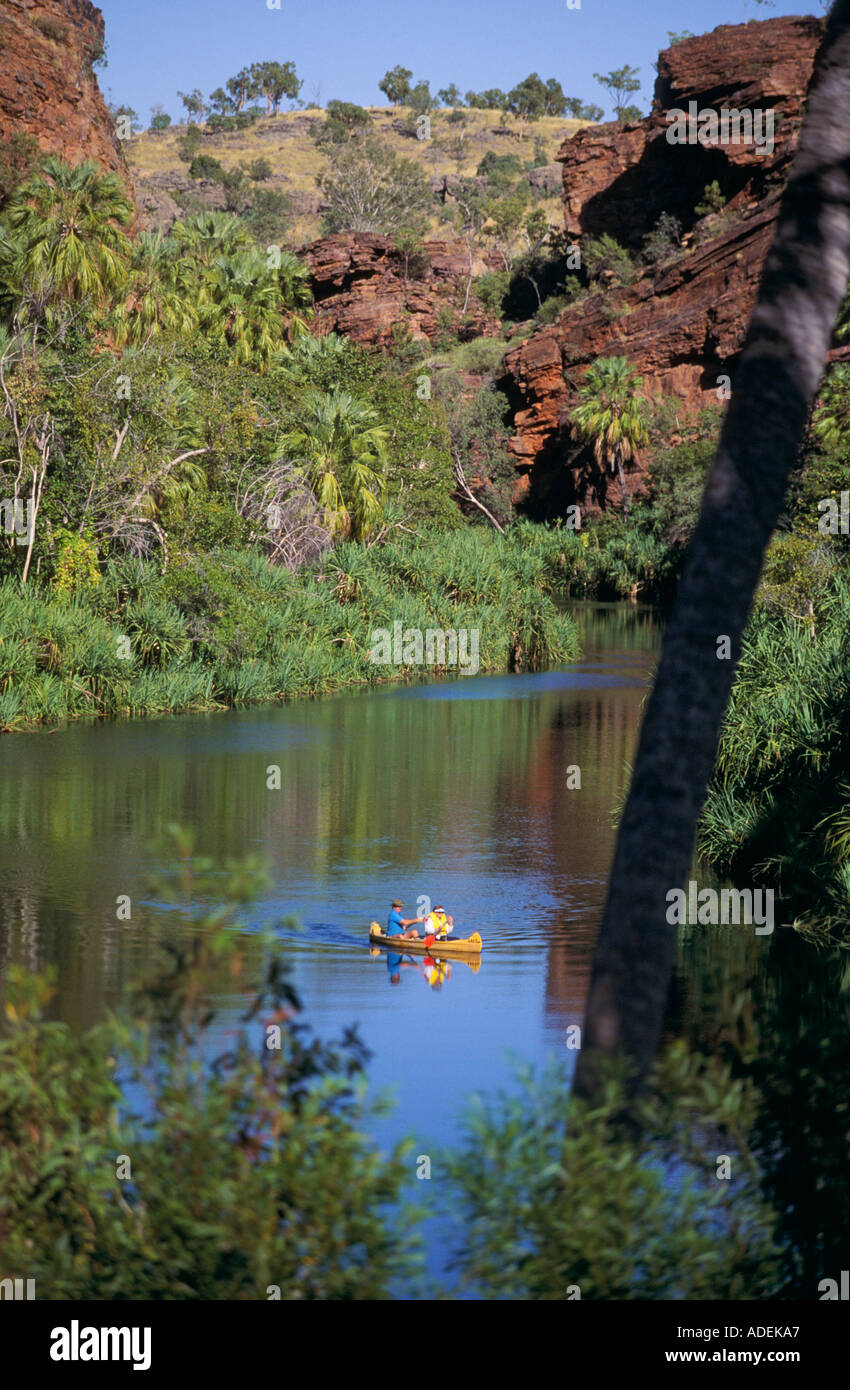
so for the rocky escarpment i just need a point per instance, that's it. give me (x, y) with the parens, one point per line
(683, 322)
(47, 84)
(364, 287)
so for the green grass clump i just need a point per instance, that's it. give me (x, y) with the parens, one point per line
(605, 559)
(778, 809)
(229, 629)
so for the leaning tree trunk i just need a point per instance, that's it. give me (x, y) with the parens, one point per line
(804, 280)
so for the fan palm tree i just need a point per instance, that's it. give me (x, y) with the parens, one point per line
(69, 222)
(10, 282)
(342, 448)
(202, 239)
(240, 299)
(293, 279)
(256, 304)
(610, 416)
(305, 355)
(154, 301)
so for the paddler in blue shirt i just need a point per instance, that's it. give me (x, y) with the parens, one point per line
(398, 925)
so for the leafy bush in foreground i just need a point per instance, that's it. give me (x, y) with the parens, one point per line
(133, 1165)
(550, 1203)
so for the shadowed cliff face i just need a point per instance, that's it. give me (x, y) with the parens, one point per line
(47, 86)
(682, 323)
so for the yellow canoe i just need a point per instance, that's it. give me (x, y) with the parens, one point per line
(462, 946)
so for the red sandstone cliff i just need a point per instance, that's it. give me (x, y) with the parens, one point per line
(682, 324)
(47, 86)
(361, 289)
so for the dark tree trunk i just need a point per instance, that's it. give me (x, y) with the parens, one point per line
(804, 281)
(623, 485)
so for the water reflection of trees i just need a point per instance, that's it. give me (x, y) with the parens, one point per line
(408, 779)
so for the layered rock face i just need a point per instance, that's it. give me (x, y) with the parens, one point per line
(47, 86)
(681, 324)
(362, 288)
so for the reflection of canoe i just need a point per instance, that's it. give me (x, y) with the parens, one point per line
(463, 946)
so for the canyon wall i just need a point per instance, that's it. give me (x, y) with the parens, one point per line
(363, 287)
(47, 84)
(682, 323)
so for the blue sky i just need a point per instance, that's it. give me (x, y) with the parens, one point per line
(342, 48)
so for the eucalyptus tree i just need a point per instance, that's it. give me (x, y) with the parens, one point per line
(621, 82)
(242, 87)
(275, 81)
(395, 84)
(528, 100)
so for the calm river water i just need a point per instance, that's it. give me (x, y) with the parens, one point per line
(455, 791)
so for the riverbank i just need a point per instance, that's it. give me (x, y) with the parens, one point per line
(777, 808)
(229, 629)
(460, 789)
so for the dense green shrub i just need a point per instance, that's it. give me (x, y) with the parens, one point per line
(268, 215)
(664, 240)
(603, 258)
(188, 145)
(556, 1206)
(137, 1164)
(241, 120)
(675, 482)
(500, 170)
(344, 120)
(259, 170)
(552, 308)
(205, 166)
(491, 290)
(712, 200)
